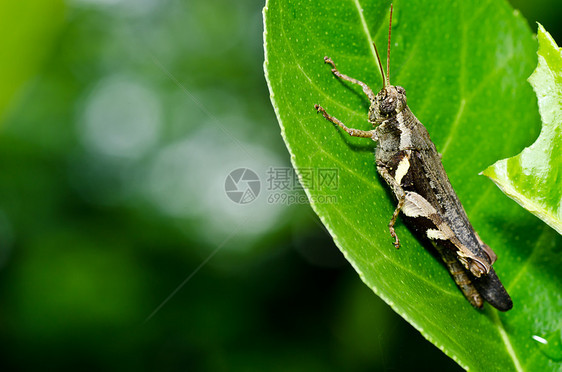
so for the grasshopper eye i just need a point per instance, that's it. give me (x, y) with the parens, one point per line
(388, 105)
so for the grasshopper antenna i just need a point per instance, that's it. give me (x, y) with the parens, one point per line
(380, 65)
(388, 53)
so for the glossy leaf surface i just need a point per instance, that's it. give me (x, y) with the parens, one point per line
(464, 66)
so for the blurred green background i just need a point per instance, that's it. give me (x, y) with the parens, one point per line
(119, 248)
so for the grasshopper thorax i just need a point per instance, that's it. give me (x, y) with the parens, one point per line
(389, 102)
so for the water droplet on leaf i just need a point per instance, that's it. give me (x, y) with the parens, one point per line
(550, 345)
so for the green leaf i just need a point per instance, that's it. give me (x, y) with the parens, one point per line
(532, 178)
(463, 65)
(29, 29)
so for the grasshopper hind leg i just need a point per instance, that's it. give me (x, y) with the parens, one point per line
(460, 276)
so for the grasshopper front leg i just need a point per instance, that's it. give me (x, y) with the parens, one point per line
(352, 132)
(368, 92)
(366, 89)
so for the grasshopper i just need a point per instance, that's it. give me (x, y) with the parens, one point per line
(408, 161)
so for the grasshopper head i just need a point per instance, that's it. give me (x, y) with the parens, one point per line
(388, 103)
